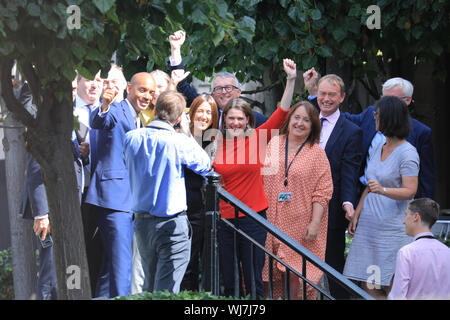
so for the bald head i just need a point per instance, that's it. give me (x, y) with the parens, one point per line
(141, 90)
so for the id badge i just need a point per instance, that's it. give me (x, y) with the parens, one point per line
(285, 196)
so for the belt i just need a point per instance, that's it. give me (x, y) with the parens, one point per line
(149, 215)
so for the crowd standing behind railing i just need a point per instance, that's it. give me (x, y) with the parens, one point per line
(141, 162)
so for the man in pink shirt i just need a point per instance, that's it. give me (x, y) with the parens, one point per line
(423, 266)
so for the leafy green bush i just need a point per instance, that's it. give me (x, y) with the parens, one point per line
(6, 275)
(182, 295)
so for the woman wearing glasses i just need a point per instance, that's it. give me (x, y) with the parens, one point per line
(299, 187)
(377, 224)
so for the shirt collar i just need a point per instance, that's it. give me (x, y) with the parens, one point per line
(423, 234)
(161, 124)
(333, 118)
(79, 103)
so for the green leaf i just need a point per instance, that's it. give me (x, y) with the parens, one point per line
(355, 10)
(324, 51)
(284, 3)
(12, 24)
(6, 47)
(104, 5)
(198, 16)
(309, 62)
(436, 48)
(295, 46)
(33, 10)
(293, 13)
(218, 37)
(348, 48)
(339, 34)
(316, 14)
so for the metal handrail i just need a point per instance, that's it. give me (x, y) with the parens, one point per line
(214, 193)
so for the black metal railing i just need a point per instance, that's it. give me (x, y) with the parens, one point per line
(215, 193)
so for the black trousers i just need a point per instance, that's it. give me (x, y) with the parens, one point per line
(191, 277)
(93, 242)
(334, 256)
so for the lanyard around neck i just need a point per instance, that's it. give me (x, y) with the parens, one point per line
(286, 167)
(425, 237)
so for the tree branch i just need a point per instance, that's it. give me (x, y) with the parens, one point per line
(372, 92)
(263, 89)
(12, 104)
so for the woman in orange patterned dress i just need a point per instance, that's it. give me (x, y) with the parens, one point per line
(299, 188)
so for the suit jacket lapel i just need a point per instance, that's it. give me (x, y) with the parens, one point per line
(334, 134)
(128, 115)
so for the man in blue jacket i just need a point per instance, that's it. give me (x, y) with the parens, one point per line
(155, 157)
(109, 190)
(420, 136)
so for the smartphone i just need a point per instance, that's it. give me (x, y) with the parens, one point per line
(47, 242)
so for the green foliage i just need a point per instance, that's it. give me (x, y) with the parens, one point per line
(6, 275)
(182, 295)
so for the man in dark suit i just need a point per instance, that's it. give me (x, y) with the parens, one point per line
(420, 135)
(342, 141)
(225, 86)
(109, 190)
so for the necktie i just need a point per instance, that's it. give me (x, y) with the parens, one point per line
(321, 121)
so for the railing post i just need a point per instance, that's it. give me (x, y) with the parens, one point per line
(211, 272)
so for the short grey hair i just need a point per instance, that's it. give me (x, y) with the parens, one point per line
(225, 74)
(404, 84)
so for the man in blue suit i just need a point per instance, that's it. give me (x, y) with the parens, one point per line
(342, 141)
(109, 190)
(420, 135)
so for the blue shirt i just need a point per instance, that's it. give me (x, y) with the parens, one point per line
(154, 157)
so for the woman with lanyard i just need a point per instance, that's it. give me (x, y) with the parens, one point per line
(299, 186)
(239, 160)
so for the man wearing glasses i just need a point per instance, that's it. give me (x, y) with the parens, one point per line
(420, 135)
(224, 86)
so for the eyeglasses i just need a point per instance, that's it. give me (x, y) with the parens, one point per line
(228, 89)
(375, 114)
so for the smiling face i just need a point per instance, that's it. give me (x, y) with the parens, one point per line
(141, 90)
(236, 122)
(90, 90)
(221, 96)
(202, 117)
(300, 124)
(329, 97)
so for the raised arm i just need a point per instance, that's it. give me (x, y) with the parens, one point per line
(291, 72)
(176, 63)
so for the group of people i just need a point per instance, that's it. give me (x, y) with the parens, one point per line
(309, 169)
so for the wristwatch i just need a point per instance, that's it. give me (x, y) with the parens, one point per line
(384, 190)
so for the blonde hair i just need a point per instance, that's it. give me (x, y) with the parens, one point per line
(335, 79)
(158, 73)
